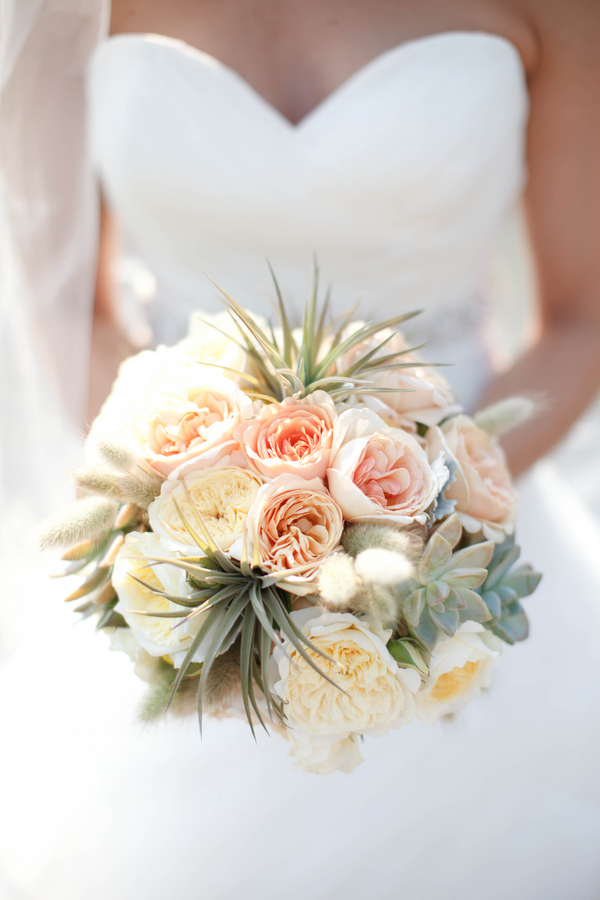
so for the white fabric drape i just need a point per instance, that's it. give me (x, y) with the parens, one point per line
(47, 243)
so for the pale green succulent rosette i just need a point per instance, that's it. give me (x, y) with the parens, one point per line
(442, 592)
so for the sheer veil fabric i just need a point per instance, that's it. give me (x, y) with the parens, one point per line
(502, 801)
(48, 229)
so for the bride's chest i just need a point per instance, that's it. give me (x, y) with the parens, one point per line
(421, 127)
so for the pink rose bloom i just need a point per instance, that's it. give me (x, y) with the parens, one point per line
(379, 472)
(293, 437)
(485, 496)
(292, 525)
(192, 420)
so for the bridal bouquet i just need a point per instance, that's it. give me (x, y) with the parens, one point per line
(300, 527)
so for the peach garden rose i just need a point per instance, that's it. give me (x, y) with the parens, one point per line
(293, 437)
(192, 419)
(483, 490)
(292, 525)
(379, 472)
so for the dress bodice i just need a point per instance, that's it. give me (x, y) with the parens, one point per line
(397, 182)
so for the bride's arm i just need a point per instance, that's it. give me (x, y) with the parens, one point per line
(563, 203)
(109, 345)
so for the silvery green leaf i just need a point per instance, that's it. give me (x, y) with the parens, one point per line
(455, 600)
(426, 631)
(506, 593)
(438, 553)
(492, 601)
(447, 621)
(475, 610)
(437, 592)
(451, 530)
(512, 628)
(413, 606)
(477, 556)
(465, 578)
(523, 581)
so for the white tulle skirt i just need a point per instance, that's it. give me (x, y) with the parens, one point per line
(501, 801)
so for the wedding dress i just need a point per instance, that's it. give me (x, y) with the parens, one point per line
(398, 182)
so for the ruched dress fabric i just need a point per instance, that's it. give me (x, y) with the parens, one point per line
(398, 182)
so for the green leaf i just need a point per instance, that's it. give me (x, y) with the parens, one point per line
(523, 581)
(425, 632)
(477, 556)
(492, 601)
(512, 628)
(465, 578)
(413, 606)
(435, 559)
(475, 609)
(407, 655)
(447, 620)
(246, 662)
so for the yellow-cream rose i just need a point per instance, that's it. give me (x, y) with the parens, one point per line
(483, 490)
(219, 487)
(459, 668)
(292, 525)
(157, 635)
(293, 437)
(324, 721)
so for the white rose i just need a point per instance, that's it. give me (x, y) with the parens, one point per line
(221, 488)
(379, 472)
(459, 668)
(324, 722)
(158, 636)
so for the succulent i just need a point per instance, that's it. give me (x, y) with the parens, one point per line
(442, 592)
(288, 366)
(504, 587)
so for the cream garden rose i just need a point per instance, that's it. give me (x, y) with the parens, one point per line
(379, 472)
(158, 636)
(424, 395)
(293, 437)
(458, 670)
(218, 487)
(325, 722)
(485, 497)
(292, 525)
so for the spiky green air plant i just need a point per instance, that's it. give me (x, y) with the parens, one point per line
(442, 593)
(286, 368)
(504, 587)
(241, 602)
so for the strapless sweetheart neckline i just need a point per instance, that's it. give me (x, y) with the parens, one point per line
(368, 70)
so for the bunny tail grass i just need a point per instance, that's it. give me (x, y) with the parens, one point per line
(115, 454)
(337, 581)
(98, 481)
(140, 487)
(222, 681)
(84, 520)
(501, 417)
(154, 704)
